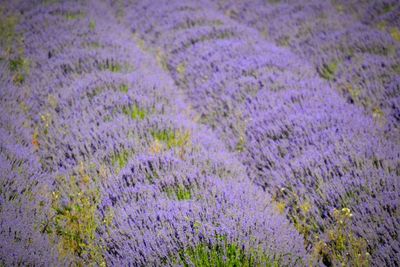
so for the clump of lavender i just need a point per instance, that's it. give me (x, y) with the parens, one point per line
(360, 38)
(199, 133)
(307, 145)
(105, 163)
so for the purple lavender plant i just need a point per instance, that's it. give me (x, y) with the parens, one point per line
(200, 133)
(298, 139)
(116, 169)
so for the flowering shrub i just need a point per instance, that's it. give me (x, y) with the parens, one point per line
(148, 133)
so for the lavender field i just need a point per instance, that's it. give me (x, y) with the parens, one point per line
(200, 133)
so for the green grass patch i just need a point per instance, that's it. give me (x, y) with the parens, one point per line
(181, 69)
(328, 71)
(241, 144)
(18, 79)
(135, 112)
(298, 211)
(94, 45)
(172, 138)
(113, 67)
(224, 253)
(396, 68)
(116, 67)
(74, 15)
(381, 25)
(20, 68)
(124, 88)
(92, 25)
(94, 92)
(179, 192)
(162, 59)
(75, 220)
(343, 247)
(120, 159)
(107, 118)
(151, 176)
(283, 41)
(17, 64)
(7, 30)
(395, 33)
(11, 43)
(388, 8)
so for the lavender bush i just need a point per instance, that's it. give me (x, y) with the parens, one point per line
(199, 133)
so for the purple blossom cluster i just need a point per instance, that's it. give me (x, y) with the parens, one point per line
(353, 44)
(133, 131)
(97, 114)
(300, 140)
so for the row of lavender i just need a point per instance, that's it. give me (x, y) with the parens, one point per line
(329, 167)
(101, 160)
(353, 44)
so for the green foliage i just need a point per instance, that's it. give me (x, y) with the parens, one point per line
(298, 211)
(18, 79)
(241, 144)
(93, 92)
(75, 220)
(108, 218)
(328, 71)
(124, 88)
(20, 67)
(354, 92)
(224, 253)
(70, 15)
(162, 59)
(283, 40)
(396, 68)
(151, 176)
(114, 67)
(179, 192)
(92, 25)
(52, 100)
(11, 44)
(17, 64)
(119, 160)
(7, 30)
(172, 138)
(92, 44)
(387, 8)
(110, 65)
(107, 118)
(381, 25)
(134, 112)
(181, 69)
(395, 33)
(343, 247)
